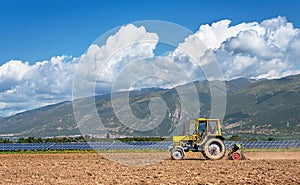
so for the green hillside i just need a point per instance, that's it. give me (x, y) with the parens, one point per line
(267, 107)
(255, 109)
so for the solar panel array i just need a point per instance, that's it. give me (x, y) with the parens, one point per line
(266, 144)
(133, 145)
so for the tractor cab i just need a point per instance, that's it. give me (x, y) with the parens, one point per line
(205, 127)
(202, 135)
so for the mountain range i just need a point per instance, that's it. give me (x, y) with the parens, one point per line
(254, 109)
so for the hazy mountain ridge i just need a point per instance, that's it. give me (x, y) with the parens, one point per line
(268, 107)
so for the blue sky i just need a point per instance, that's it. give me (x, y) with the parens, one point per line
(36, 30)
(43, 43)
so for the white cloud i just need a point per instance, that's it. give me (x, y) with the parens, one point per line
(12, 73)
(24, 86)
(271, 53)
(212, 36)
(279, 32)
(250, 43)
(155, 72)
(104, 63)
(294, 50)
(270, 49)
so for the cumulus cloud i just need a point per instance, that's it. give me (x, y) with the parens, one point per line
(12, 73)
(270, 49)
(25, 86)
(101, 64)
(212, 36)
(256, 55)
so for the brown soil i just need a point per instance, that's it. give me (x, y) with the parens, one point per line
(273, 155)
(94, 169)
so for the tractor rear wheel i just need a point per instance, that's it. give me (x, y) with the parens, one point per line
(214, 149)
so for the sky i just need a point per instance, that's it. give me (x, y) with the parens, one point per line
(42, 43)
(35, 30)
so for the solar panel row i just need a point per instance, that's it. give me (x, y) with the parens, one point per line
(133, 145)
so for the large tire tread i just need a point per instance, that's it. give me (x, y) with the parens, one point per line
(220, 143)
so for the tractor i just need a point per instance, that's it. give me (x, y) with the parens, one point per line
(202, 135)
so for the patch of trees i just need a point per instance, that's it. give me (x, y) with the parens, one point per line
(5, 140)
(52, 139)
(234, 137)
(130, 139)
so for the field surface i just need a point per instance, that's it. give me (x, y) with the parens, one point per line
(88, 168)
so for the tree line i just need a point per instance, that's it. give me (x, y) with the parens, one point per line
(234, 137)
(50, 140)
(78, 139)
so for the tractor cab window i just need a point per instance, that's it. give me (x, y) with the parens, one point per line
(212, 127)
(202, 126)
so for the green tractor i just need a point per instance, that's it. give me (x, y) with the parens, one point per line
(203, 135)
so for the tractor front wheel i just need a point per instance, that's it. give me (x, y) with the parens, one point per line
(214, 149)
(177, 153)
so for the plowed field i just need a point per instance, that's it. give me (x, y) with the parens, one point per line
(261, 168)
